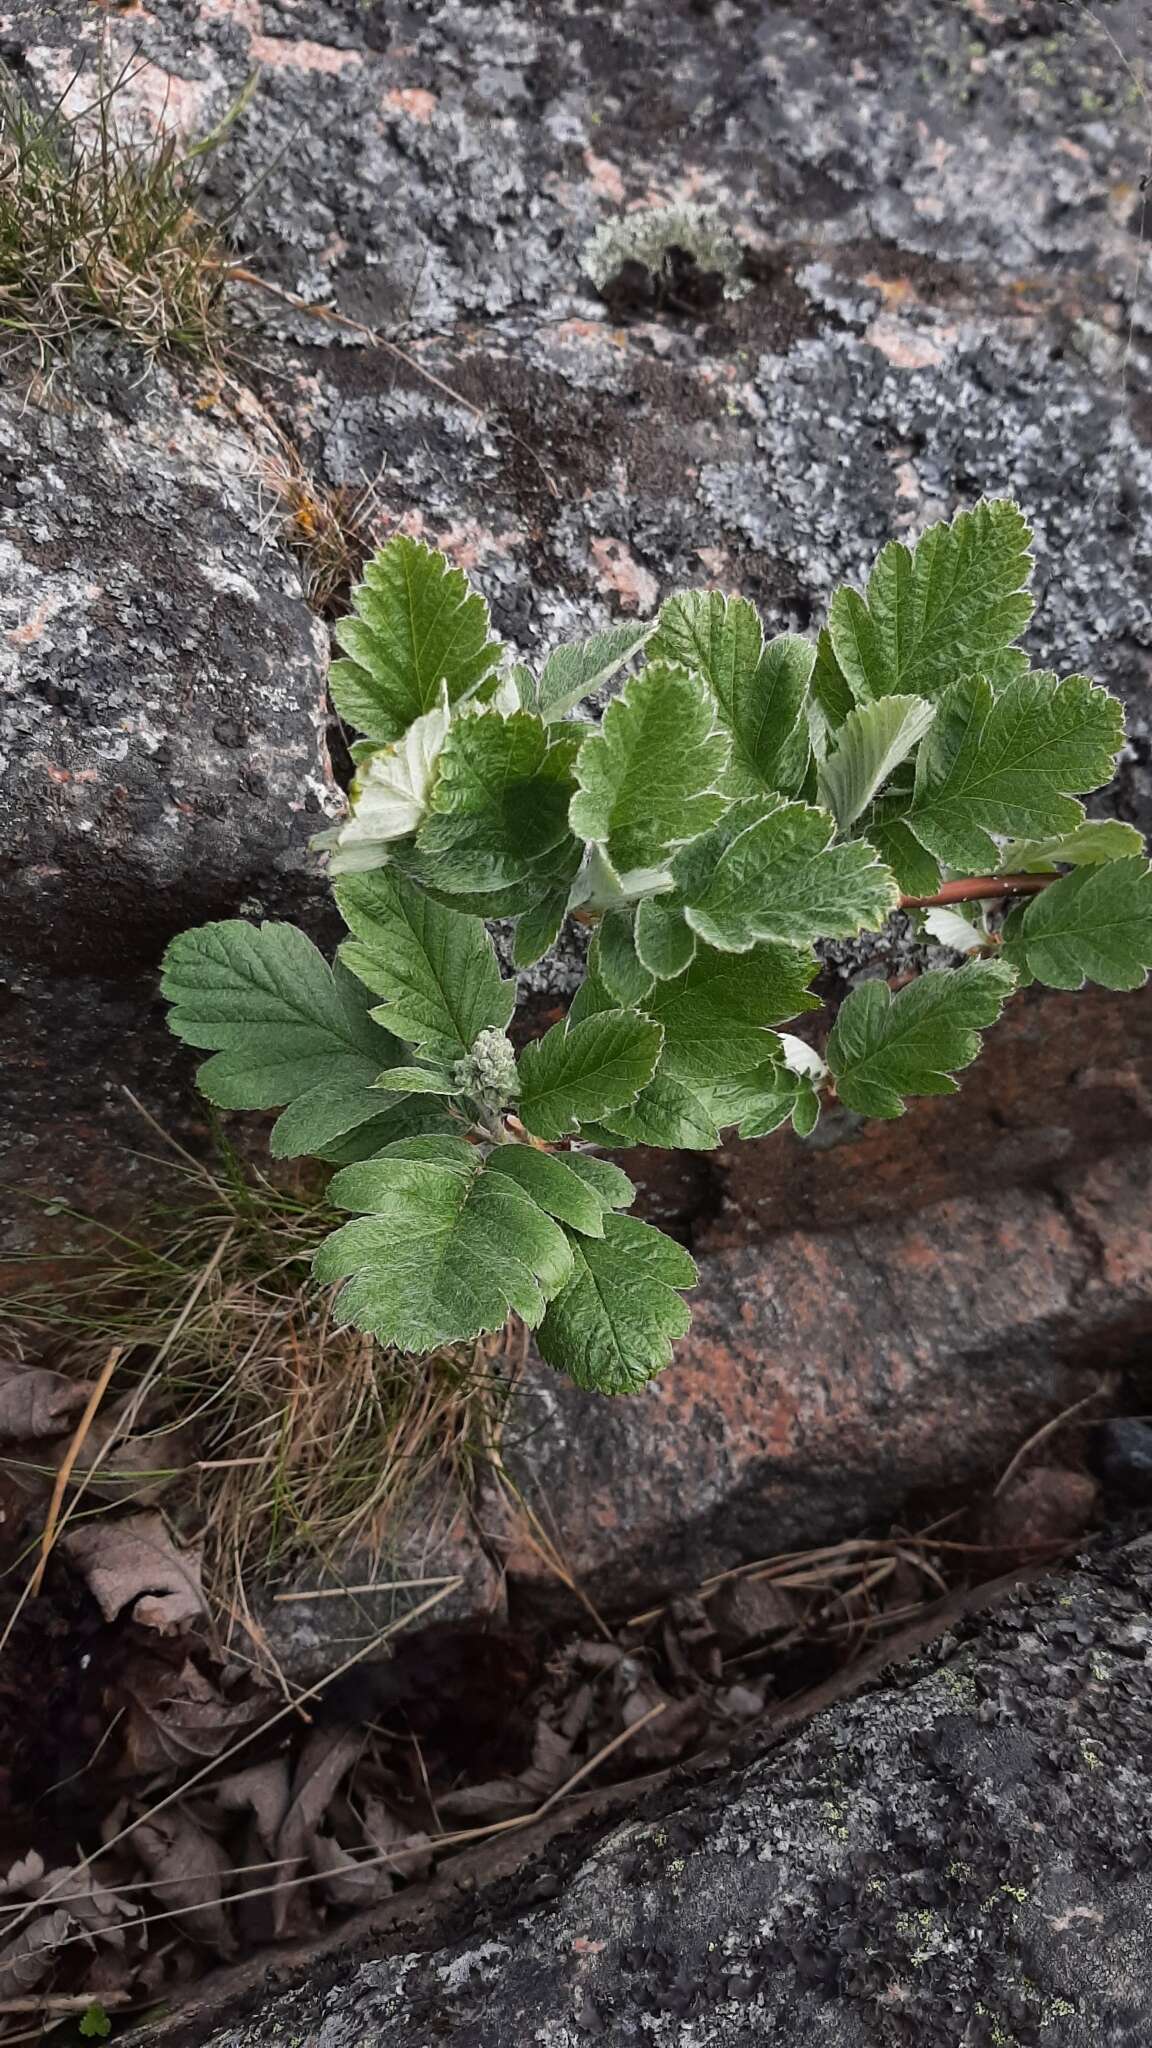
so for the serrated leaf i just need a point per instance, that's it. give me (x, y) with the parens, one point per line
(553, 1186)
(884, 1047)
(610, 1185)
(716, 1015)
(285, 1028)
(917, 873)
(952, 928)
(436, 968)
(444, 1249)
(539, 928)
(1008, 763)
(759, 689)
(668, 1114)
(573, 672)
(1097, 839)
(951, 607)
(612, 955)
(771, 872)
(389, 794)
(1092, 925)
(416, 1081)
(412, 1117)
(871, 742)
(829, 686)
(578, 1071)
(664, 942)
(613, 1326)
(648, 778)
(415, 625)
(498, 816)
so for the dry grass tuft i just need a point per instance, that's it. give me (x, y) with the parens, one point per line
(101, 227)
(307, 1440)
(331, 528)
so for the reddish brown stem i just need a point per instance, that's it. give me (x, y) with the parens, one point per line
(979, 887)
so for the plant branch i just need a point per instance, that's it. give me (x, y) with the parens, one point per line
(978, 888)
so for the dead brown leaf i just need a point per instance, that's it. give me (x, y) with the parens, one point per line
(178, 1717)
(133, 1563)
(35, 1402)
(327, 1757)
(136, 1468)
(550, 1765)
(23, 1874)
(191, 1873)
(29, 1957)
(98, 1908)
(384, 1831)
(341, 1879)
(263, 1791)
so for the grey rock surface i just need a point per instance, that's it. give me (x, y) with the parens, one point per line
(958, 1858)
(162, 757)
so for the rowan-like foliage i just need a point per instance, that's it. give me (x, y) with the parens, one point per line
(740, 800)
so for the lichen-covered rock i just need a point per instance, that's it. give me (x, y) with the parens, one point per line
(958, 1859)
(163, 755)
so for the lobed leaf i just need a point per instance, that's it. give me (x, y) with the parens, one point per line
(770, 872)
(666, 1113)
(884, 1047)
(553, 1186)
(1092, 925)
(612, 955)
(871, 742)
(285, 1028)
(648, 778)
(415, 625)
(760, 690)
(761, 1101)
(1008, 763)
(436, 968)
(664, 941)
(574, 672)
(498, 816)
(614, 1323)
(443, 1248)
(951, 607)
(715, 1016)
(577, 1072)
(1097, 839)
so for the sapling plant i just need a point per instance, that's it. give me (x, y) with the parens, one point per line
(739, 801)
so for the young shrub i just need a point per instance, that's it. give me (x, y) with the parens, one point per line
(740, 801)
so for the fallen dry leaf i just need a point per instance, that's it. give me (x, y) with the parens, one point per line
(327, 1757)
(384, 1831)
(341, 1879)
(23, 1874)
(35, 1402)
(98, 1908)
(178, 1717)
(191, 1873)
(136, 1468)
(263, 1791)
(29, 1958)
(134, 1564)
(550, 1765)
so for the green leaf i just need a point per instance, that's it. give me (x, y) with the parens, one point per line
(498, 816)
(613, 1326)
(442, 1250)
(539, 928)
(1098, 839)
(761, 1101)
(553, 1186)
(578, 1071)
(648, 778)
(612, 955)
(667, 1114)
(771, 872)
(612, 1187)
(414, 1116)
(284, 1026)
(760, 690)
(715, 1015)
(94, 2022)
(870, 743)
(1092, 925)
(884, 1047)
(415, 625)
(436, 968)
(571, 673)
(417, 1081)
(952, 607)
(1009, 763)
(830, 688)
(664, 943)
(913, 866)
